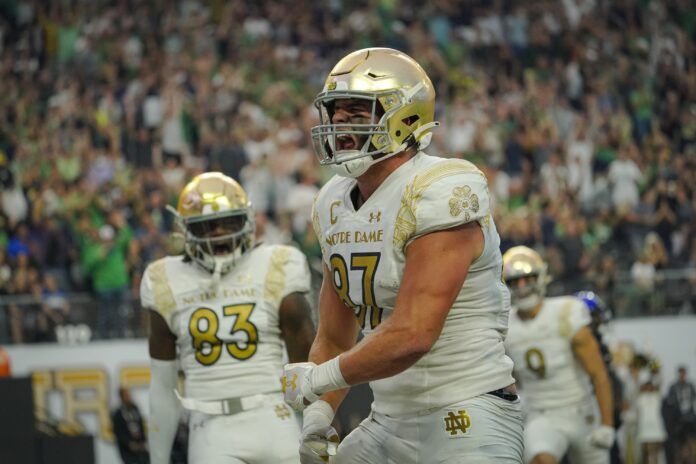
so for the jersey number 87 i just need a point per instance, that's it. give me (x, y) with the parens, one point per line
(367, 263)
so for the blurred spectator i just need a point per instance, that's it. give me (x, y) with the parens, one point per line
(651, 429)
(579, 113)
(644, 277)
(19, 242)
(104, 260)
(55, 307)
(624, 176)
(128, 427)
(681, 400)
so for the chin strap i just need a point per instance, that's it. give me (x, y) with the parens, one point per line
(422, 143)
(425, 141)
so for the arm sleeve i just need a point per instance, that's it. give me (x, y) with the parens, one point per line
(164, 410)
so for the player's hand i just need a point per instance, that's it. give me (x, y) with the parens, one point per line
(317, 449)
(319, 439)
(603, 436)
(296, 386)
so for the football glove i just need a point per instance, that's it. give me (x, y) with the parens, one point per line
(319, 439)
(296, 385)
(603, 437)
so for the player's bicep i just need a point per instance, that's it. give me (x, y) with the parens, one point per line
(437, 265)
(338, 327)
(161, 342)
(296, 326)
(586, 351)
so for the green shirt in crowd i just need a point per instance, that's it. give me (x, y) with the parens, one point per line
(106, 264)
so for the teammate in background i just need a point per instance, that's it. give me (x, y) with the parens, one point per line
(411, 258)
(557, 361)
(600, 316)
(224, 309)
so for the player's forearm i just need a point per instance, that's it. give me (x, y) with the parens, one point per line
(389, 351)
(602, 387)
(164, 411)
(323, 349)
(382, 354)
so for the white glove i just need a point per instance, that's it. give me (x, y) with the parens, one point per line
(307, 381)
(603, 437)
(319, 439)
(296, 384)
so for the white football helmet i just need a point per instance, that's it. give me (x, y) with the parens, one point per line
(402, 100)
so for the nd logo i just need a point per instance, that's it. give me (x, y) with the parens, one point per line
(455, 423)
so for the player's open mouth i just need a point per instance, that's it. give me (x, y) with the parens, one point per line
(346, 142)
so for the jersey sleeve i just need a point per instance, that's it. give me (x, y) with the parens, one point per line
(147, 299)
(156, 293)
(316, 225)
(574, 316)
(288, 272)
(297, 270)
(454, 195)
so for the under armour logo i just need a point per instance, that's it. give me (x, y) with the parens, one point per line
(292, 383)
(375, 217)
(332, 216)
(282, 411)
(455, 423)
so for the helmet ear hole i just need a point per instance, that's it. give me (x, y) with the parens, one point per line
(409, 121)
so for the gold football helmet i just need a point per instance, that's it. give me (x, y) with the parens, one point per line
(526, 275)
(217, 221)
(402, 100)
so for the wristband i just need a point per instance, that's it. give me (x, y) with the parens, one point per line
(327, 377)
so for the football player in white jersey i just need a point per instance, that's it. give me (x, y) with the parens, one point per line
(225, 309)
(411, 258)
(564, 383)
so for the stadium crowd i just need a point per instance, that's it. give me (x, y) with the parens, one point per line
(581, 113)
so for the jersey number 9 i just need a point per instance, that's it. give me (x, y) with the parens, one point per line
(535, 362)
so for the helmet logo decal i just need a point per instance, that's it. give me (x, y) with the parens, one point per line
(332, 85)
(192, 200)
(463, 200)
(218, 204)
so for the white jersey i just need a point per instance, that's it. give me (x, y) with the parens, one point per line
(228, 337)
(365, 251)
(549, 374)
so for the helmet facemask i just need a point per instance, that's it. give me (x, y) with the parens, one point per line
(529, 294)
(372, 137)
(526, 275)
(216, 241)
(216, 219)
(401, 99)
